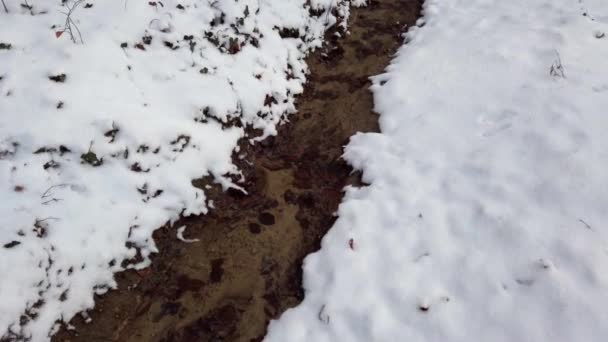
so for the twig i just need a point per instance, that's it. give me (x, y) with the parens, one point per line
(52, 200)
(585, 223)
(557, 68)
(29, 7)
(4, 5)
(69, 22)
(323, 317)
(38, 221)
(47, 193)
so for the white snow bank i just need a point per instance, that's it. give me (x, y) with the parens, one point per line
(486, 218)
(101, 135)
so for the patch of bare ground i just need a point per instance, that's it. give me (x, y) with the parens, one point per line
(246, 267)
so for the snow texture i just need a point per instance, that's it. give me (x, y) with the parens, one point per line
(103, 129)
(485, 218)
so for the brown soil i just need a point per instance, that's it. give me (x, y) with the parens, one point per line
(246, 268)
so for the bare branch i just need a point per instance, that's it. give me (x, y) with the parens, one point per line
(47, 193)
(52, 200)
(70, 24)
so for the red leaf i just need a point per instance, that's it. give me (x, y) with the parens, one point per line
(58, 34)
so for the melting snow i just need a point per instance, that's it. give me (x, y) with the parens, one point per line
(107, 116)
(486, 217)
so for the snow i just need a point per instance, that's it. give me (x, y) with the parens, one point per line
(101, 133)
(485, 217)
(180, 235)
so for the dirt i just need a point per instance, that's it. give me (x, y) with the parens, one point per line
(246, 268)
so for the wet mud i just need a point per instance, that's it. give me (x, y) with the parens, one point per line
(246, 267)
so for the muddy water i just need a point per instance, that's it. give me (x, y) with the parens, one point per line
(246, 267)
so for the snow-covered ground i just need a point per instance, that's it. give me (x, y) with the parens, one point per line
(103, 128)
(486, 218)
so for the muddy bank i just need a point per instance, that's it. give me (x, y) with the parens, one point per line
(246, 267)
